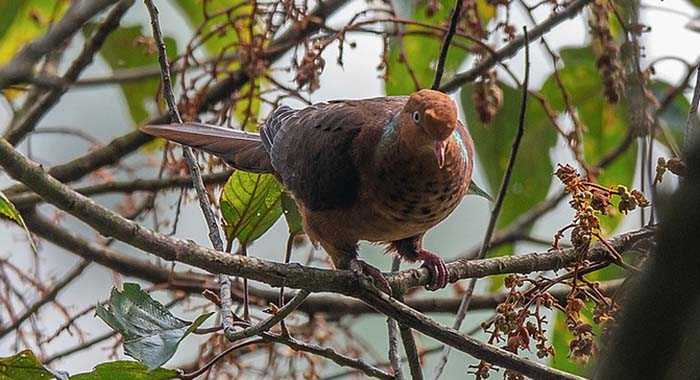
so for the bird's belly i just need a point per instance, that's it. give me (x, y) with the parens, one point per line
(412, 208)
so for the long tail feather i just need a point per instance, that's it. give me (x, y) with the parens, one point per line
(242, 150)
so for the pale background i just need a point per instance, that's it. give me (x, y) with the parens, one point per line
(102, 112)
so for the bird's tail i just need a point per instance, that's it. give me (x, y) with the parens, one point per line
(242, 150)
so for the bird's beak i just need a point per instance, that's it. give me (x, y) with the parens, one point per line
(440, 153)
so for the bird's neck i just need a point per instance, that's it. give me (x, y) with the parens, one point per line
(400, 139)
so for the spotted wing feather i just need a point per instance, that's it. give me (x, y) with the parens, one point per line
(314, 149)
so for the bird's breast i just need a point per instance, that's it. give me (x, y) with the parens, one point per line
(413, 194)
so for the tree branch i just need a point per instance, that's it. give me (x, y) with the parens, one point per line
(26, 200)
(335, 306)
(512, 47)
(275, 274)
(20, 68)
(37, 110)
(46, 298)
(130, 142)
(456, 13)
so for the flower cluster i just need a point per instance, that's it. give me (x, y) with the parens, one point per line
(308, 71)
(472, 21)
(608, 62)
(487, 97)
(674, 165)
(590, 200)
(519, 322)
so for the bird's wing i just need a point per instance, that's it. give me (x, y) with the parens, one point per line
(464, 139)
(314, 149)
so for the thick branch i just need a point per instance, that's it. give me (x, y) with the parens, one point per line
(275, 274)
(20, 68)
(334, 306)
(130, 142)
(25, 200)
(37, 110)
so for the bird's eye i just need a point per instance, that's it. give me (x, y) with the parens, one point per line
(416, 116)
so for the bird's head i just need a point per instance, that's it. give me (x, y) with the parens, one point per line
(432, 117)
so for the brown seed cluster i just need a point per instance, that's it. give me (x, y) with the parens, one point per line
(487, 97)
(472, 22)
(308, 71)
(674, 165)
(608, 62)
(519, 322)
(590, 200)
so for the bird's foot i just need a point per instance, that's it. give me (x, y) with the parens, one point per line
(439, 276)
(360, 267)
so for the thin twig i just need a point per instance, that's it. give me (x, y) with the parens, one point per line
(26, 200)
(268, 323)
(513, 47)
(456, 12)
(505, 183)
(49, 297)
(206, 367)
(198, 183)
(28, 120)
(331, 354)
(393, 330)
(409, 346)
(20, 67)
(70, 132)
(691, 125)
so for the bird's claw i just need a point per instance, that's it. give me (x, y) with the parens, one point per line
(361, 267)
(439, 275)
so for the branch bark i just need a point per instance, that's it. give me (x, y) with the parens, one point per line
(19, 69)
(292, 275)
(37, 110)
(512, 47)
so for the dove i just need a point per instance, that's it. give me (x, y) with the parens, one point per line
(383, 170)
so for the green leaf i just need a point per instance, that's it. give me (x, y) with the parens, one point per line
(8, 211)
(672, 120)
(126, 370)
(9, 12)
(21, 21)
(532, 173)
(421, 52)
(606, 123)
(23, 365)
(121, 50)
(221, 39)
(292, 215)
(250, 204)
(151, 333)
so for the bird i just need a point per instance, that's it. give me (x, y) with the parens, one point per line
(383, 170)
